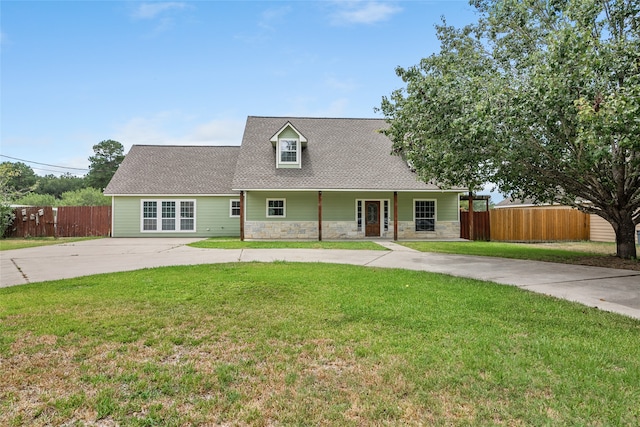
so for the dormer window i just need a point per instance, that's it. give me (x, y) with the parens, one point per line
(288, 150)
(288, 143)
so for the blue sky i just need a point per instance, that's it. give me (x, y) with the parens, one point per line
(75, 73)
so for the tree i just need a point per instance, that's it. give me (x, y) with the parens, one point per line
(107, 157)
(35, 199)
(540, 97)
(22, 178)
(85, 197)
(56, 185)
(7, 195)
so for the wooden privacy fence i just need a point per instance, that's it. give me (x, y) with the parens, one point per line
(531, 225)
(481, 225)
(83, 221)
(32, 222)
(69, 221)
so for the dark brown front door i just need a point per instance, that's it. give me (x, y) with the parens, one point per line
(372, 217)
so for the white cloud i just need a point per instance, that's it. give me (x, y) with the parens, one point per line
(272, 17)
(334, 83)
(364, 12)
(175, 128)
(153, 10)
(302, 106)
(336, 108)
(217, 132)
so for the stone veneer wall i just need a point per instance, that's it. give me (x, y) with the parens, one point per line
(335, 230)
(444, 230)
(342, 230)
(281, 230)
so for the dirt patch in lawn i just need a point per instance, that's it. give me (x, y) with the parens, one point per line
(610, 260)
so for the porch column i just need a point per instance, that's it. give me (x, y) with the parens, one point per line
(319, 216)
(242, 216)
(395, 215)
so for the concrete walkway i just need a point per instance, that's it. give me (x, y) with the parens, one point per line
(608, 289)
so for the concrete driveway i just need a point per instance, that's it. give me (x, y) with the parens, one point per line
(605, 288)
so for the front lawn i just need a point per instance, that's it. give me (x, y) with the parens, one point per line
(31, 242)
(235, 243)
(309, 344)
(585, 253)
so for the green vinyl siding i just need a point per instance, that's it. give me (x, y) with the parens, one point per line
(299, 206)
(338, 206)
(341, 205)
(212, 217)
(289, 133)
(447, 208)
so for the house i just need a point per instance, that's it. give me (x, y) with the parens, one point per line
(291, 178)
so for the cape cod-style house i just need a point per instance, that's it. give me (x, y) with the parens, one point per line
(291, 178)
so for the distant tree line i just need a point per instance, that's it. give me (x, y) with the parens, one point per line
(20, 185)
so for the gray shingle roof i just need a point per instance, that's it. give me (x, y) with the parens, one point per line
(170, 169)
(341, 154)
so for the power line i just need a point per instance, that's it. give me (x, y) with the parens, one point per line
(37, 169)
(44, 164)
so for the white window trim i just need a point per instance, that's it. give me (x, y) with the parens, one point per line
(284, 208)
(297, 151)
(382, 217)
(435, 213)
(231, 215)
(159, 216)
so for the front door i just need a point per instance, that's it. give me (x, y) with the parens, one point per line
(372, 212)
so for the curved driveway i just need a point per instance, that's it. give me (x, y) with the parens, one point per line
(605, 288)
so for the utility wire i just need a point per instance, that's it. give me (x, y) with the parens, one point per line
(37, 169)
(44, 164)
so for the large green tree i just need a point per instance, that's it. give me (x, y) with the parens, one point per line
(19, 176)
(540, 97)
(56, 185)
(107, 157)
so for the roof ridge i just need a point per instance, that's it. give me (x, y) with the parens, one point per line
(184, 146)
(316, 118)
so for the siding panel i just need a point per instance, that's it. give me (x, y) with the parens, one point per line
(212, 217)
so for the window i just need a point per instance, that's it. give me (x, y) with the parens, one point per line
(187, 215)
(234, 208)
(425, 215)
(386, 215)
(288, 151)
(359, 213)
(149, 214)
(275, 207)
(168, 215)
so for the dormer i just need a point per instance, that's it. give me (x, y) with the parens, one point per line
(288, 143)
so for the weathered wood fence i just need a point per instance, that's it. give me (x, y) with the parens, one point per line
(481, 225)
(83, 221)
(538, 225)
(32, 222)
(68, 221)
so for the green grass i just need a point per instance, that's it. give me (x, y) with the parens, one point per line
(21, 243)
(235, 243)
(309, 344)
(514, 250)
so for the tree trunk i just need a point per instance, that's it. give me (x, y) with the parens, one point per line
(625, 237)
